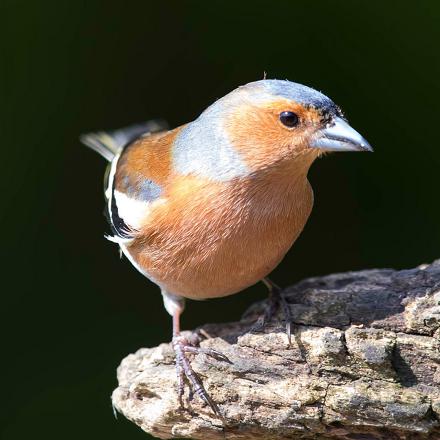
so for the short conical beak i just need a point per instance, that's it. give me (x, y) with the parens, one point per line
(339, 136)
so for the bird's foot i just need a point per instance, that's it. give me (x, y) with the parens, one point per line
(185, 347)
(275, 301)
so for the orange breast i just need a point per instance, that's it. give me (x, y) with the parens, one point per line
(215, 239)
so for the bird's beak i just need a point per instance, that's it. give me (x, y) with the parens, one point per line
(339, 136)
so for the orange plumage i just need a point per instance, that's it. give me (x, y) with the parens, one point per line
(211, 207)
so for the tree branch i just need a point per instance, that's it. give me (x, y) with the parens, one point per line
(363, 364)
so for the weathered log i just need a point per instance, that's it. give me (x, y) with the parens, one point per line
(363, 364)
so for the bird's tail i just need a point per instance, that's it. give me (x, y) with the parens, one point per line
(109, 143)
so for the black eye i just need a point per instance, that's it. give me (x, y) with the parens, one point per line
(289, 119)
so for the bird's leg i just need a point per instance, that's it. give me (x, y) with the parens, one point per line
(275, 300)
(185, 347)
(177, 345)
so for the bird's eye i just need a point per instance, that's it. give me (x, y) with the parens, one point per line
(289, 119)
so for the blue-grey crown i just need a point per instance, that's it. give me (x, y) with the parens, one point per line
(297, 92)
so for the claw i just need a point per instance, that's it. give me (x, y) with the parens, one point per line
(289, 332)
(182, 346)
(208, 351)
(215, 354)
(276, 299)
(258, 325)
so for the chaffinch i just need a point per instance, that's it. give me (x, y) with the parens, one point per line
(211, 207)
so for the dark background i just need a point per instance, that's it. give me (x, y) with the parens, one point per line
(71, 310)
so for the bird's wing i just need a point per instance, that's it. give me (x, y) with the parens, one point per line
(110, 143)
(136, 181)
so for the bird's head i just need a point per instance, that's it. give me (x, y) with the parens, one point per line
(268, 123)
(275, 120)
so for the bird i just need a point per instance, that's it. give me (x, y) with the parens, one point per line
(211, 207)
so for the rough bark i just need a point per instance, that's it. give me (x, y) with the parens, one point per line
(363, 364)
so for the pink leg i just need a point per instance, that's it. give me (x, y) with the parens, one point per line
(182, 347)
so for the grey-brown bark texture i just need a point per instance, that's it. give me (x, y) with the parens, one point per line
(364, 364)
